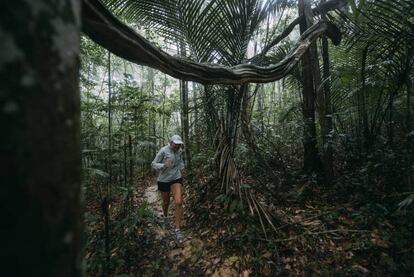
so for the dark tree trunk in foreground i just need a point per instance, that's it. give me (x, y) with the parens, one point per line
(39, 143)
(311, 156)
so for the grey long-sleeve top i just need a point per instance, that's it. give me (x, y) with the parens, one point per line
(172, 173)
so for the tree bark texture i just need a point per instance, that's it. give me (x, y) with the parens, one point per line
(311, 160)
(317, 82)
(40, 160)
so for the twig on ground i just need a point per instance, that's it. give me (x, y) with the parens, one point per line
(319, 233)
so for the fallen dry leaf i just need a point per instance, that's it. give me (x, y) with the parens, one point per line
(360, 268)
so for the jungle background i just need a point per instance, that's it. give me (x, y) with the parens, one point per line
(283, 178)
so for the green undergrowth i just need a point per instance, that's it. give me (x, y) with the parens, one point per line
(129, 237)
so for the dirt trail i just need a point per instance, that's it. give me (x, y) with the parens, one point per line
(195, 256)
(182, 260)
(151, 196)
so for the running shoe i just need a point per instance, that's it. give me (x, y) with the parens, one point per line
(178, 236)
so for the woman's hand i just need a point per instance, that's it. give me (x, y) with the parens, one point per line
(168, 163)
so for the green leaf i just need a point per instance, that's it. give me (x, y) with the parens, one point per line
(98, 172)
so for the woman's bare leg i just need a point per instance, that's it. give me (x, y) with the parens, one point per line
(177, 190)
(165, 197)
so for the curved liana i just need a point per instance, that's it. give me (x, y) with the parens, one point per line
(109, 32)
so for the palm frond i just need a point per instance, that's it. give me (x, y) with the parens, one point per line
(384, 25)
(216, 30)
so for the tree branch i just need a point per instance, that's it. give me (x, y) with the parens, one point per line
(106, 30)
(325, 7)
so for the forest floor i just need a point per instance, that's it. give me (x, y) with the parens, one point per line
(193, 257)
(319, 235)
(320, 232)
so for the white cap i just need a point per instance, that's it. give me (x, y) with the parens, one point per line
(177, 139)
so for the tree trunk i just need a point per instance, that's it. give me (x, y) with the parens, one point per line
(363, 115)
(125, 162)
(211, 116)
(327, 117)
(410, 141)
(321, 94)
(390, 117)
(164, 92)
(131, 171)
(197, 122)
(408, 101)
(312, 161)
(184, 114)
(317, 79)
(106, 200)
(184, 122)
(249, 137)
(40, 160)
(152, 115)
(260, 108)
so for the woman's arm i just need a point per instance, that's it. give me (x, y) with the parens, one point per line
(157, 162)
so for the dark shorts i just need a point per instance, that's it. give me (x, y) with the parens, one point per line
(166, 186)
